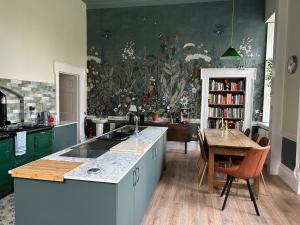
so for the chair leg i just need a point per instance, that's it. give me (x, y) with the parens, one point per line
(225, 186)
(203, 172)
(201, 165)
(227, 193)
(252, 197)
(264, 182)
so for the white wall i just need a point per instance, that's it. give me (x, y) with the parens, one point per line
(285, 90)
(292, 82)
(35, 33)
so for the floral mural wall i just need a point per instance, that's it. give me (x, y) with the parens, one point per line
(152, 56)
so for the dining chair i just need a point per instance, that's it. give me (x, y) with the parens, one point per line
(250, 167)
(203, 159)
(202, 163)
(247, 132)
(263, 142)
(255, 137)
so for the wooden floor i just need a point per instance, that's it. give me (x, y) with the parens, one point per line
(178, 201)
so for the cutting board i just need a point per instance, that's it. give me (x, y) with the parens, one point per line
(50, 170)
(130, 146)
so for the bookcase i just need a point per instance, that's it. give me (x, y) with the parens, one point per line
(227, 93)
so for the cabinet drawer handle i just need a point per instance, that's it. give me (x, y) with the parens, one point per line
(134, 175)
(138, 174)
(43, 132)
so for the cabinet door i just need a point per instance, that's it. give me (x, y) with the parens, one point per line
(64, 137)
(29, 155)
(160, 156)
(43, 143)
(6, 151)
(141, 192)
(125, 199)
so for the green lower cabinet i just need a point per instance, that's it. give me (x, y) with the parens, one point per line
(38, 145)
(43, 143)
(6, 151)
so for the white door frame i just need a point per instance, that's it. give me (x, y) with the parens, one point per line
(82, 105)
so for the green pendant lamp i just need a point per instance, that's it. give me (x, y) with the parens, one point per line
(231, 53)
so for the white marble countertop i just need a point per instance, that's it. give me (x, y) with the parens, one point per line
(63, 123)
(113, 165)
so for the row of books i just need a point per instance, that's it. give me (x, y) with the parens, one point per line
(226, 99)
(216, 124)
(226, 85)
(226, 112)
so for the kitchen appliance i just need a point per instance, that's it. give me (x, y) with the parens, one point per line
(43, 117)
(3, 109)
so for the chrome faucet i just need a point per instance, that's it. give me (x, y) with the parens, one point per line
(136, 130)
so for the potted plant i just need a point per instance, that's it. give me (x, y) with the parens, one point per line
(155, 115)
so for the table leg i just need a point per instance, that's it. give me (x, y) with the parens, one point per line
(211, 171)
(185, 147)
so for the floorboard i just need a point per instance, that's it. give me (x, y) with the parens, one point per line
(179, 201)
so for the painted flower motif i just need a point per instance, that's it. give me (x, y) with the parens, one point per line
(194, 90)
(146, 98)
(163, 37)
(119, 106)
(189, 45)
(115, 109)
(196, 56)
(128, 52)
(246, 46)
(94, 58)
(184, 101)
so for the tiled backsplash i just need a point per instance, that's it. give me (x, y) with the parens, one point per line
(22, 94)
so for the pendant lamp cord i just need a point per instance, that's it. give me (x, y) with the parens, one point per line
(232, 18)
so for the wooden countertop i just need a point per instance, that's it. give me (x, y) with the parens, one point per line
(50, 170)
(130, 146)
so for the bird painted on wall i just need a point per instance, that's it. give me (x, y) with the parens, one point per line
(219, 29)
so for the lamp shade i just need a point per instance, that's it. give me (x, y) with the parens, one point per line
(230, 53)
(132, 108)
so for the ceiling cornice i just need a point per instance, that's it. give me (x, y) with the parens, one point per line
(100, 4)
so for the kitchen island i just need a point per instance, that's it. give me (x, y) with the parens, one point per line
(111, 189)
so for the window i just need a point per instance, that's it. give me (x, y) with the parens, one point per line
(268, 71)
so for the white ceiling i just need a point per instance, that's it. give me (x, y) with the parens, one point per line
(97, 4)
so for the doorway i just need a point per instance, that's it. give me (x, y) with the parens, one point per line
(68, 97)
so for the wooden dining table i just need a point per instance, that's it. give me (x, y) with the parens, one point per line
(228, 143)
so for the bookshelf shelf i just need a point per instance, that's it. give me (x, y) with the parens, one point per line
(226, 105)
(224, 118)
(227, 93)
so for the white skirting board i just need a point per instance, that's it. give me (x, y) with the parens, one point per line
(288, 177)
